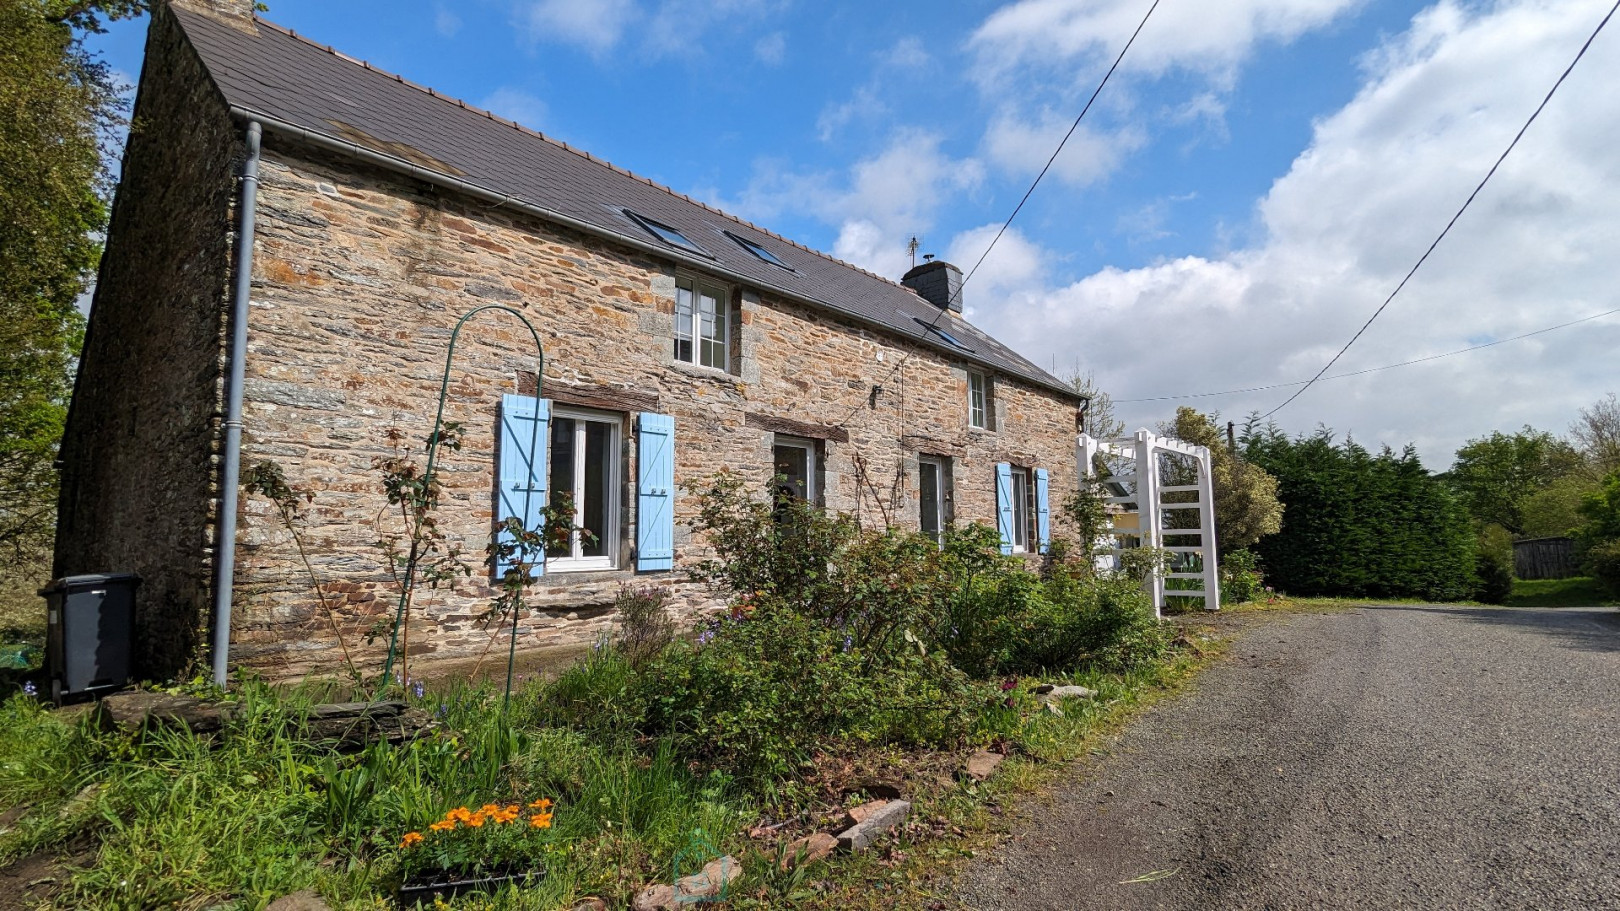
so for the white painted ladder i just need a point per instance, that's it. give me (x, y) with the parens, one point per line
(1144, 491)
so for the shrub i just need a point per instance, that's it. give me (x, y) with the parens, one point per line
(1493, 565)
(1241, 579)
(644, 627)
(1603, 562)
(763, 687)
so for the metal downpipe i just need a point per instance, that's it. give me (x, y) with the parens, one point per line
(230, 477)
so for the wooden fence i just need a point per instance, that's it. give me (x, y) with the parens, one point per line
(1545, 558)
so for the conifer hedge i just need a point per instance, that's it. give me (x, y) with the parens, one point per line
(1361, 524)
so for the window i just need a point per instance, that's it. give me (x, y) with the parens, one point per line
(666, 234)
(1023, 508)
(702, 324)
(933, 486)
(978, 400)
(585, 471)
(758, 251)
(946, 336)
(795, 468)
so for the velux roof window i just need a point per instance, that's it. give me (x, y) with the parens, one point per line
(665, 233)
(758, 251)
(949, 338)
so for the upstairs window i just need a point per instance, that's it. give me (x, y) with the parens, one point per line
(979, 402)
(666, 234)
(702, 323)
(758, 251)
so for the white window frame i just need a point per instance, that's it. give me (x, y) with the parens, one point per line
(978, 399)
(1023, 496)
(941, 466)
(614, 531)
(812, 470)
(696, 287)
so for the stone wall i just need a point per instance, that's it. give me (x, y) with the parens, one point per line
(360, 277)
(140, 449)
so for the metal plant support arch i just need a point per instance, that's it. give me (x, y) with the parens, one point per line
(427, 480)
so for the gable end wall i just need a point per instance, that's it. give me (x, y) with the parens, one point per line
(140, 452)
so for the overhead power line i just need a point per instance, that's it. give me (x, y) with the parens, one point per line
(1340, 376)
(934, 323)
(1447, 229)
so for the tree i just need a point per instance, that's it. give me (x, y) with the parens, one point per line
(1554, 510)
(1597, 434)
(1496, 475)
(1246, 504)
(58, 107)
(1100, 419)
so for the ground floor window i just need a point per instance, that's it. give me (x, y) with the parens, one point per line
(1023, 508)
(584, 467)
(795, 468)
(933, 486)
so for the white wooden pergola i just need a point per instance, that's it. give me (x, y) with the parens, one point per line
(1138, 462)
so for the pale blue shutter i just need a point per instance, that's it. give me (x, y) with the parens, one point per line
(1004, 505)
(655, 493)
(1043, 513)
(525, 436)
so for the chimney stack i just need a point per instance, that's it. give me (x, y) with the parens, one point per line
(235, 11)
(939, 283)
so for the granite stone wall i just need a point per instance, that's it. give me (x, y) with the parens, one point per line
(360, 277)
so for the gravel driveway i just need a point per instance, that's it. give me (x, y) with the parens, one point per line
(1382, 757)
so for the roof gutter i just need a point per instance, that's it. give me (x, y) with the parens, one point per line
(230, 480)
(439, 178)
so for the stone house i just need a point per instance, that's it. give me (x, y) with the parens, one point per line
(294, 240)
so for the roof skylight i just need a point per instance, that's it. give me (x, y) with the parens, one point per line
(758, 251)
(949, 338)
(665, 233)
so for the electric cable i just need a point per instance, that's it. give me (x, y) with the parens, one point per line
(1340, 376)
(934, 323)
(1381, 307)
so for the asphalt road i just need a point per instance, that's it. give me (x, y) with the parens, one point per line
(1390, 757)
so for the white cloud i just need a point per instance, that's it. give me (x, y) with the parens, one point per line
(907, 53)
(516, 104)
(865, 104)
(1090, 155)
(1378, 181)
(771, 49)
(595, 25)
(1211, 38)
(878, 205)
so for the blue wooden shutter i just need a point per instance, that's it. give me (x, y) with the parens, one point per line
(655, 493)
(1004, 505)
(525, 437)
(1043, 513)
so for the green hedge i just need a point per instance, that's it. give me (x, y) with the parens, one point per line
(1361, 524)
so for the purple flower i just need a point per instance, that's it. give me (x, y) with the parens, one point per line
(848, 643)
(705, 637)
(30, 689)
(420, 690)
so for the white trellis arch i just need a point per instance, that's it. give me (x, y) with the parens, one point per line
(1139, 462)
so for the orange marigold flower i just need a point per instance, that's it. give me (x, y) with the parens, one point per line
(541, 804)
(540, 820)
(411, 839)
(443, 825)
(459, 814)
(489, 809)
(476, 821)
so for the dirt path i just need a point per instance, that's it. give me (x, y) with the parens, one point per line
(1389, 757)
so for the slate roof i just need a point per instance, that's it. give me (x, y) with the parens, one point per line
(273, 72)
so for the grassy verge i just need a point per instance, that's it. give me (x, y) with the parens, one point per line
(1580, 591)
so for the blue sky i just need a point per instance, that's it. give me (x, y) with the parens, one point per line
(1244, 193)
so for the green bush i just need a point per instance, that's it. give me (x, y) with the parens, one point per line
(1493, 565)
(760, 690)
(1603, 562)
(1241, 579)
